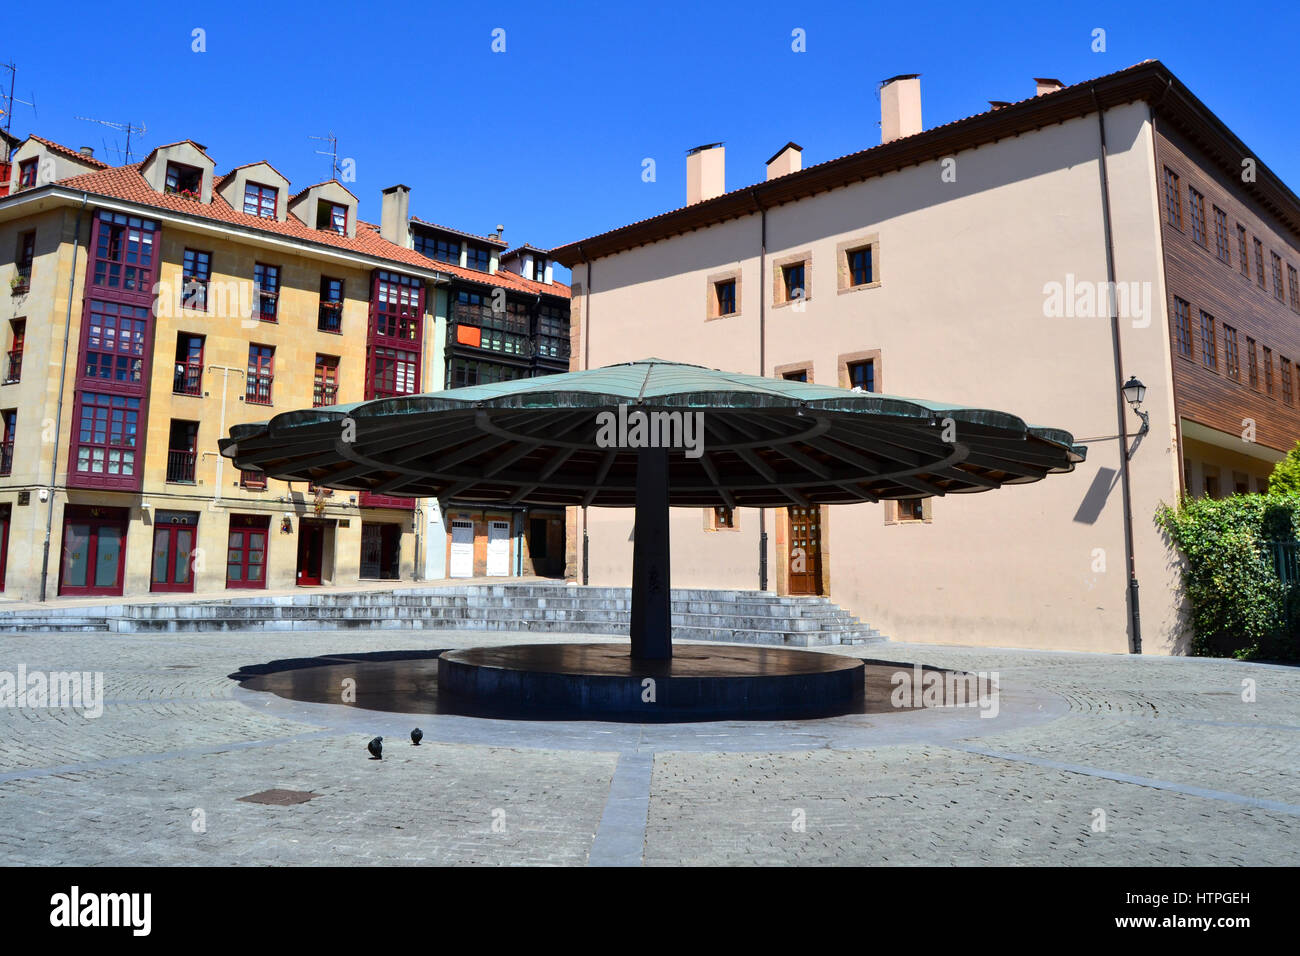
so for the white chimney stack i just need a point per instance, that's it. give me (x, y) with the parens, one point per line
(1045, 84)
(900, 107)
(788, 159)
(395, 215)
(705, 173)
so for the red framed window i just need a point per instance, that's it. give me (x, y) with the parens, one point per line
(325, 389)
(184, 181)
(398, 306)
(330, 315)
(115, 342)
(260, 200)
(393, 372)
(8, 429)
(261, 366)
(17, 339)
(107, 435)
(24, 256)
(266, 280)
(188, 378)
(27, 173)
(94, 544)
(246, 551)
(332, 216)
(124, 252)
(197, 270)
(252, 480)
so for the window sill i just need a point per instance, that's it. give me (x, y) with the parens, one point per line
(787, 303)
(859, 288)
(725, 315)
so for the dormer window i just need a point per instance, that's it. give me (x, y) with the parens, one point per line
(441, 250)
(332, 216)
(27, 173)
(478, 258)
(260, 200)
(186, 181)
(539, 270)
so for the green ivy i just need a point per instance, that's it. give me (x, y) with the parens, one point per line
(1239, 607)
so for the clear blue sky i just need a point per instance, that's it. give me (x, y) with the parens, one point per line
(548, 137)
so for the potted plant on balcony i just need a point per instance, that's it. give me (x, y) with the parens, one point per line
(18, 284)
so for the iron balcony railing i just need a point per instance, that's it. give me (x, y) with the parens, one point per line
(180, 466)
(1286, 560)
(259, 389)
(188, 379)
(330, 317)
(326, 393)
(14, 368)
(6, 457)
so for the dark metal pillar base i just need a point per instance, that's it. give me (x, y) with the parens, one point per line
(652, 638)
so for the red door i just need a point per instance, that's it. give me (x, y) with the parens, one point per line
(311, 551)
(4, 541)
(93, 557)
(246, 551)
(174, 535)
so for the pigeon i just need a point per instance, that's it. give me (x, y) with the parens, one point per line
(376, 748)
(416, 736)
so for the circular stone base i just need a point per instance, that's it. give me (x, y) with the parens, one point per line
(603, 682)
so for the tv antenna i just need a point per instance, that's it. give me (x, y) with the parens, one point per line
(7, 101)
(120, 127)
(333, 153)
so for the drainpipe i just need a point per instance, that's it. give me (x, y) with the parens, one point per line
(762, 370)
(586, 364)
(221, 428)
(58, 414)
(1135, 620)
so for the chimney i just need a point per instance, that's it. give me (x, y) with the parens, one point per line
(788, 159)
(88, 152)
(900, 107)
(396, 214)
(1046, 84)
(705, 172)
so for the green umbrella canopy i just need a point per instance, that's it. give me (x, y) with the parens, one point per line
(735, 440)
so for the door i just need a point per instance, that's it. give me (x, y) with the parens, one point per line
(173, 548)
(462, 549)
(92, 558)
(4, 541)
(804, 543)
(246, 551)
(381, 550)
(498, 549)
(311, 551)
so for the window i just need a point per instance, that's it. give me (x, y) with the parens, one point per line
(1231, 360)
(115, 342)
(478, 258)
(798, 375)
(552, 339)
(397, 306)
(725, 293)
(1173, 200)
(182, 441)
(332, 216)
(106, 434)
(252, 480)
(260, 200)
(17, 340)
(1294, 286)
(1241, 249)
(442, 250)
(539, 270)
(325, 388)
(1259, 263)
(862, 376)
(392, 372)
(24, 256)
(1183, 327)
(720, 519)
(246, 549)
(1268, 372)
(911, 509)
(470, 372)
(27, 173)
(1221, 247)
(8, 428)
(184, 181)
(1285, 365)
(124, 252)
(1252, 362)
(1209, 344)
(197, 270)
(266, 282)
(792, 282)
(858, 263)
(1277, 276)
(1196, 208)
(188, 379)
(330, 315)
(261, 359)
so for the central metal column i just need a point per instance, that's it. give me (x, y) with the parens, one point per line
(652, 637)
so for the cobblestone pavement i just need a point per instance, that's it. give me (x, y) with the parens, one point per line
(1165, 752)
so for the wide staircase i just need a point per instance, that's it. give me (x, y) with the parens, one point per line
(749, 617)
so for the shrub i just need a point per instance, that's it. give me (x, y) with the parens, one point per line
(1239, 606)
(1285, 479)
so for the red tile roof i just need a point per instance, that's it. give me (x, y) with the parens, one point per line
(458, 232)
(69, 152)
(508, 280)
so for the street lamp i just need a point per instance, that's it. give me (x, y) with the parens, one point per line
(1134, 393)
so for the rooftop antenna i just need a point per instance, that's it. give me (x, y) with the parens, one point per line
(7, 101)
(121, 127)
(333, 152)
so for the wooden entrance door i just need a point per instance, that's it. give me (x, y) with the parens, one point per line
(311, 551)
(804, 550)
(173, 546)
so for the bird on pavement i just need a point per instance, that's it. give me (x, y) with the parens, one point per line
(376, 748)
(416, 736)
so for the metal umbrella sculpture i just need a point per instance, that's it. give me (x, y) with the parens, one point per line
(653, 434)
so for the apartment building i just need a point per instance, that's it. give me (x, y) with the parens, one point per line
(1031, 258)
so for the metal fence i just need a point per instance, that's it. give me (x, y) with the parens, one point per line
(1286, 560)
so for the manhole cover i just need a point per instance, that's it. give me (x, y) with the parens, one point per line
(280, 798)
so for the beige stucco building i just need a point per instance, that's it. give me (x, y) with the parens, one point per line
(971, 264)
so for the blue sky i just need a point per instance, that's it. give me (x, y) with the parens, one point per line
(549, 137)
